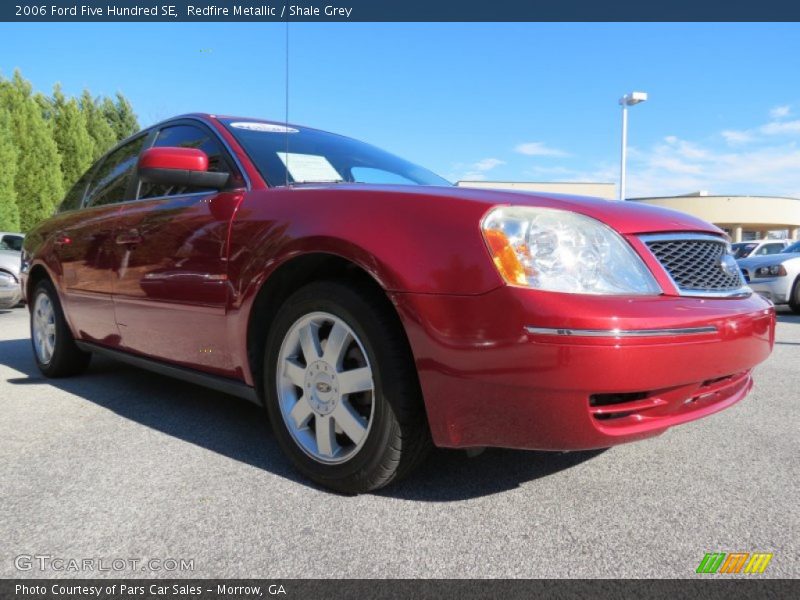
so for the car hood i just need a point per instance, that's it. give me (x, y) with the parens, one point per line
(772, 259)
(625, 217)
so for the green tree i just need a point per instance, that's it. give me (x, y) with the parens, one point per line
(120, 116)
(72, 137)
(9, 214)
(99, 129)
(37, 183)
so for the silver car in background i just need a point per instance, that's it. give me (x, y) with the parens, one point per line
(10, 290)
(775, 276)
(758, 248)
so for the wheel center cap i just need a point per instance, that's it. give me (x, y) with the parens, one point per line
(322, 387)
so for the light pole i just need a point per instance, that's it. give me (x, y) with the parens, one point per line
(626, 101)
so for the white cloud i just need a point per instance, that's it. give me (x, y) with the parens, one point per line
(682, 167)
(781, 128)
(779, 112)
(734, 137)
(476, 171)
(487, 164)
(538, 149)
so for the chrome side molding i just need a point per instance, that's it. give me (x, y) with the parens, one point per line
(621, 333)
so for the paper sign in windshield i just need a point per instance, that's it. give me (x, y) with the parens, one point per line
(308, 168)
(263, 127)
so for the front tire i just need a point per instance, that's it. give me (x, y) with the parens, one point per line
(341, 389)
(53, 345)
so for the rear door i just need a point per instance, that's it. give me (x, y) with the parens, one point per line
(85, 247)
(171, 291)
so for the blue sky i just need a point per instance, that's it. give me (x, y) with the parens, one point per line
(525, 101)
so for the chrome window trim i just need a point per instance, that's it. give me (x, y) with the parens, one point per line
(741, 292)
(621, 333)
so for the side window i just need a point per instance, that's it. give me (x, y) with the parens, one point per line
(13, 242)
(189, 136)
(769, 249)
(111, 179)
(74, 197)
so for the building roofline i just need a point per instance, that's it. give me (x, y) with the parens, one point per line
(537, 182)
(709, 196)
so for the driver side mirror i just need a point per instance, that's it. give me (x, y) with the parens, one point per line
(179, 166)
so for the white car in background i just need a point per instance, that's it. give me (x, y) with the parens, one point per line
(758, 248)
(775, 276)
(10, 290)
(10, 259)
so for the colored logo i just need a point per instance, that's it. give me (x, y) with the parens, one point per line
(734, 562)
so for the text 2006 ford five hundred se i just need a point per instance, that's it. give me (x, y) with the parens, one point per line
(375, 310)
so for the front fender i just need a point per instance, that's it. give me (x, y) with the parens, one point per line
(407, 242)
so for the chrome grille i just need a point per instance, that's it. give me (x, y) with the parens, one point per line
(693, 263)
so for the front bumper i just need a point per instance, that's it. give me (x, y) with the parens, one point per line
(496, 371)
(777, 289)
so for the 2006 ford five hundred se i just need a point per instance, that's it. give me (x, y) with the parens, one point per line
(376, 310)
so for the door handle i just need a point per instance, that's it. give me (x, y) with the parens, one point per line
(129, 238)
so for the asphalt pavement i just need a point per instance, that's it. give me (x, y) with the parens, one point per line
(123, 465)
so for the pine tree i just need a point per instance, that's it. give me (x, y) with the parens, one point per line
(9, 214)
(120, 116)
(72, 137)
(101, 132)
(37, 182)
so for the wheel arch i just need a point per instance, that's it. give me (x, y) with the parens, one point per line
(290, 276)
(37, 273)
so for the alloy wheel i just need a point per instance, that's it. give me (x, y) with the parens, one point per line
(44, 328)
(325, 386)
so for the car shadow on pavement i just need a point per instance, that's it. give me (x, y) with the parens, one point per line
(239, 430)
(785, 315)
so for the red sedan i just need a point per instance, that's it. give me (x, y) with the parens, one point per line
(375, 310)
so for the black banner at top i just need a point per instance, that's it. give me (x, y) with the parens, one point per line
(398, 10)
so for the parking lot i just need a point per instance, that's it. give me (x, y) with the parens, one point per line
(122, 463)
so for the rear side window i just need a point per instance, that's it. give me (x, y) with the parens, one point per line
(13, 242)
(74, 198)
(110, 183)
(771, 249)
(189, 136)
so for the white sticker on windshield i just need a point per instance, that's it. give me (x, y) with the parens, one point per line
(309, 168)
(264, 127)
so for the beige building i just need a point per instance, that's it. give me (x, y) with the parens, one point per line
(743, 217)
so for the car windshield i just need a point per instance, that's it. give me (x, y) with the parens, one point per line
(296, 155)
(742, 249)
(792, 249)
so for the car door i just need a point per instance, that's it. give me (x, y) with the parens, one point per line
(171, 289)
(84, 246)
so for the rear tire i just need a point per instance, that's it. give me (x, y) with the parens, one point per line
(341, 389)
(54, 347)
(794, 297)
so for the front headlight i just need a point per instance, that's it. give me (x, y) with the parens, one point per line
(771, 271)
(562, 251)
